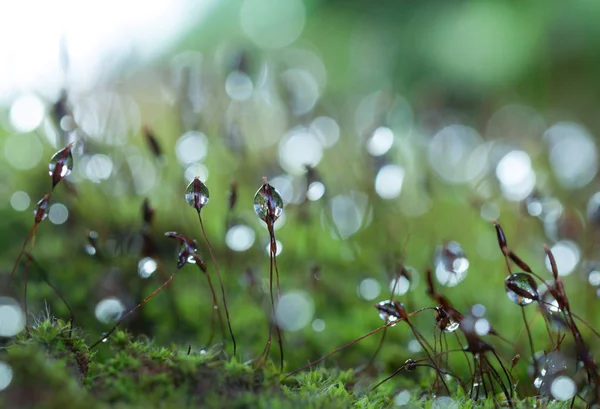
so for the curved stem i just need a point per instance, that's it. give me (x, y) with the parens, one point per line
(134, 309)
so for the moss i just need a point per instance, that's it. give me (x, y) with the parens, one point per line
(54, 368)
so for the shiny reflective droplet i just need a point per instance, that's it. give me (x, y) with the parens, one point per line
(146, 267)
(240, 238)
(521, 288)
(187, 249)
(61, 164)
(451, 264)
(387, 311)
(318, 325)
(444, 322)
(294, 310)
(369, 289)
(563, 388)
(6, 374)
(12, 318)
(268, 202)
(196, 194)
(40, 212)
(109, 310)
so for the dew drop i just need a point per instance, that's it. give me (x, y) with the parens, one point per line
(268, 202)
(521, 288)
(40, 212)
(61, 164)
(187, 250)
(196, 194)
(387, 311)
(444, 322)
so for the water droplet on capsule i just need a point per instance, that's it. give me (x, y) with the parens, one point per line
(521, 288)
(40, 212)
(61, 164)
(387, 311)
(268, 201)
(196, 194)
(444, 321)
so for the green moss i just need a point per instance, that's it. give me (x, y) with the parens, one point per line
(53, 368)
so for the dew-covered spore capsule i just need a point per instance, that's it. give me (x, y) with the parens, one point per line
(196, 194)
(521, 288)
(268, 203)
(40, 212)
(61, 165)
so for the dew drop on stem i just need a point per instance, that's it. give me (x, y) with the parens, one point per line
(61, 164)
(387, 311)
(521, 288)
(196, 194)
(444, 322)
(40, 212)
(268, 203)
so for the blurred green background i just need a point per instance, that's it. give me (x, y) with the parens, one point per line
(423, 120)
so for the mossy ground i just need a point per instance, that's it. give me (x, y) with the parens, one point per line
(54, 368)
